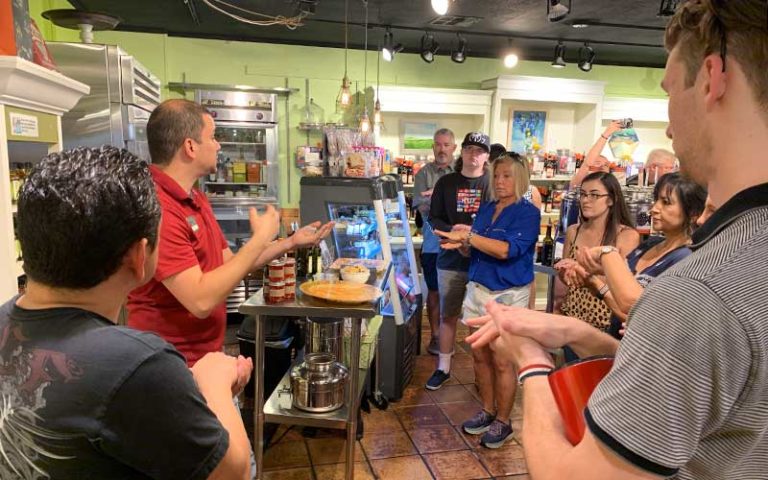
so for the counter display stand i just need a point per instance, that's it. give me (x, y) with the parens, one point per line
(278, 408)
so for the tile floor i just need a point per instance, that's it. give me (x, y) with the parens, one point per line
(418, 437)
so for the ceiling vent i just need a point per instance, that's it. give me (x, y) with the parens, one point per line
(455, 21)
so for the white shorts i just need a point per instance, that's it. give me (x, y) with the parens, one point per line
(477, 296)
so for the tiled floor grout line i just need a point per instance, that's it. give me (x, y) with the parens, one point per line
(421, 457)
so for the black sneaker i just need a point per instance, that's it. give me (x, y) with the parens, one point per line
(437, 380)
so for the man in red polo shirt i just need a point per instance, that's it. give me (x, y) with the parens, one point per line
(185, 302)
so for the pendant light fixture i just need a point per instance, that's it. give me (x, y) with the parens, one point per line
(365, 122)
(345, 96)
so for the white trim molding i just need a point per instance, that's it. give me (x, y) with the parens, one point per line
(642, 109)
(25, 84)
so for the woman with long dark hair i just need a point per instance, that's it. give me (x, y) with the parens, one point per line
(604, 221)
(678, 202)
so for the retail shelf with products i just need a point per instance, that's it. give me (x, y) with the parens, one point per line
(32, 100)
(555, 179)
(244, 144)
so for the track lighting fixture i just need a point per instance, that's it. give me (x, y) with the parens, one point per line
(390, 48)
(556, 11)
(440, 6)
(459, 54)
(510, 56)
(586, 58)
(429, 47)
(559, 60)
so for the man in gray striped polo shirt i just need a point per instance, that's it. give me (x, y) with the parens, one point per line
(687, 396)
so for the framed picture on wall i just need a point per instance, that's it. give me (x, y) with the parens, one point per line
(526, 129)
(418, 135)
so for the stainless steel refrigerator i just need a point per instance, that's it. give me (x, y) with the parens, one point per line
(246, 129)
(123, 94)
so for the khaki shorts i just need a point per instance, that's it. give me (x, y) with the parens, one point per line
(452, 285)
(478, 296)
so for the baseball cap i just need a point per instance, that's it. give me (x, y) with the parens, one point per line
(479, 139)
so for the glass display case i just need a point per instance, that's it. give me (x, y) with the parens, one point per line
(366, 212)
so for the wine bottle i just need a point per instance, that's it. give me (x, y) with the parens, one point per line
(548, 246)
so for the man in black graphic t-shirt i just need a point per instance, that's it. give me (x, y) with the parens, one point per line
(455, 201)
(82, 397)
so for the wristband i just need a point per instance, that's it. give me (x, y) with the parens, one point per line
(533, 365)
(533, 373)
(603, 290)
(469, 237)
(604, 137)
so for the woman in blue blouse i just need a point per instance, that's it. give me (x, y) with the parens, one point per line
(501, 246)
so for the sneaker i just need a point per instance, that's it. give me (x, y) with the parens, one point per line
(437, 380)
(478, 424)
(434, 346)
(496, 435)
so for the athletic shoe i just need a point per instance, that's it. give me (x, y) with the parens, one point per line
(496, 435)
(478, 424)
(437, 380)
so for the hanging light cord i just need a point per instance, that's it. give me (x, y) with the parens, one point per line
(346, 27)
(268, 20)
(365, 59)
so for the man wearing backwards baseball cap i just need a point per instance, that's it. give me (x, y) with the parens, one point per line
(455, 201)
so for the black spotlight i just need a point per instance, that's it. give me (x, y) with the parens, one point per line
(586, 58)
(556, 11)
(559, 61)
(459, 54)
(429, 47)
(390, 48)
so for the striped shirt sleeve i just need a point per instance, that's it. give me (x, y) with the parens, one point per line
(679, 371)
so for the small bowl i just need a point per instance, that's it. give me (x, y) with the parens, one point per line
(349, 275)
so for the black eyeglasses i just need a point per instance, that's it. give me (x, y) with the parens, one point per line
(592, 195)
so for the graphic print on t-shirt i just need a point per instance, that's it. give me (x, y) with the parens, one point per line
(25, 373)
(468, 200)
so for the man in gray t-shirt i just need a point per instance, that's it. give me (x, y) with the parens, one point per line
(687, 396)
(443, 146)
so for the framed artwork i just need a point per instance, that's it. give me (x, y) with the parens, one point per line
(526, 129)
(418, 135)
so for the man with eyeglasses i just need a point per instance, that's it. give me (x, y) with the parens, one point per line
(687, 394)
(456, 199)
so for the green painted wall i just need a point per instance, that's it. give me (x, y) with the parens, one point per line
(174, 59)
